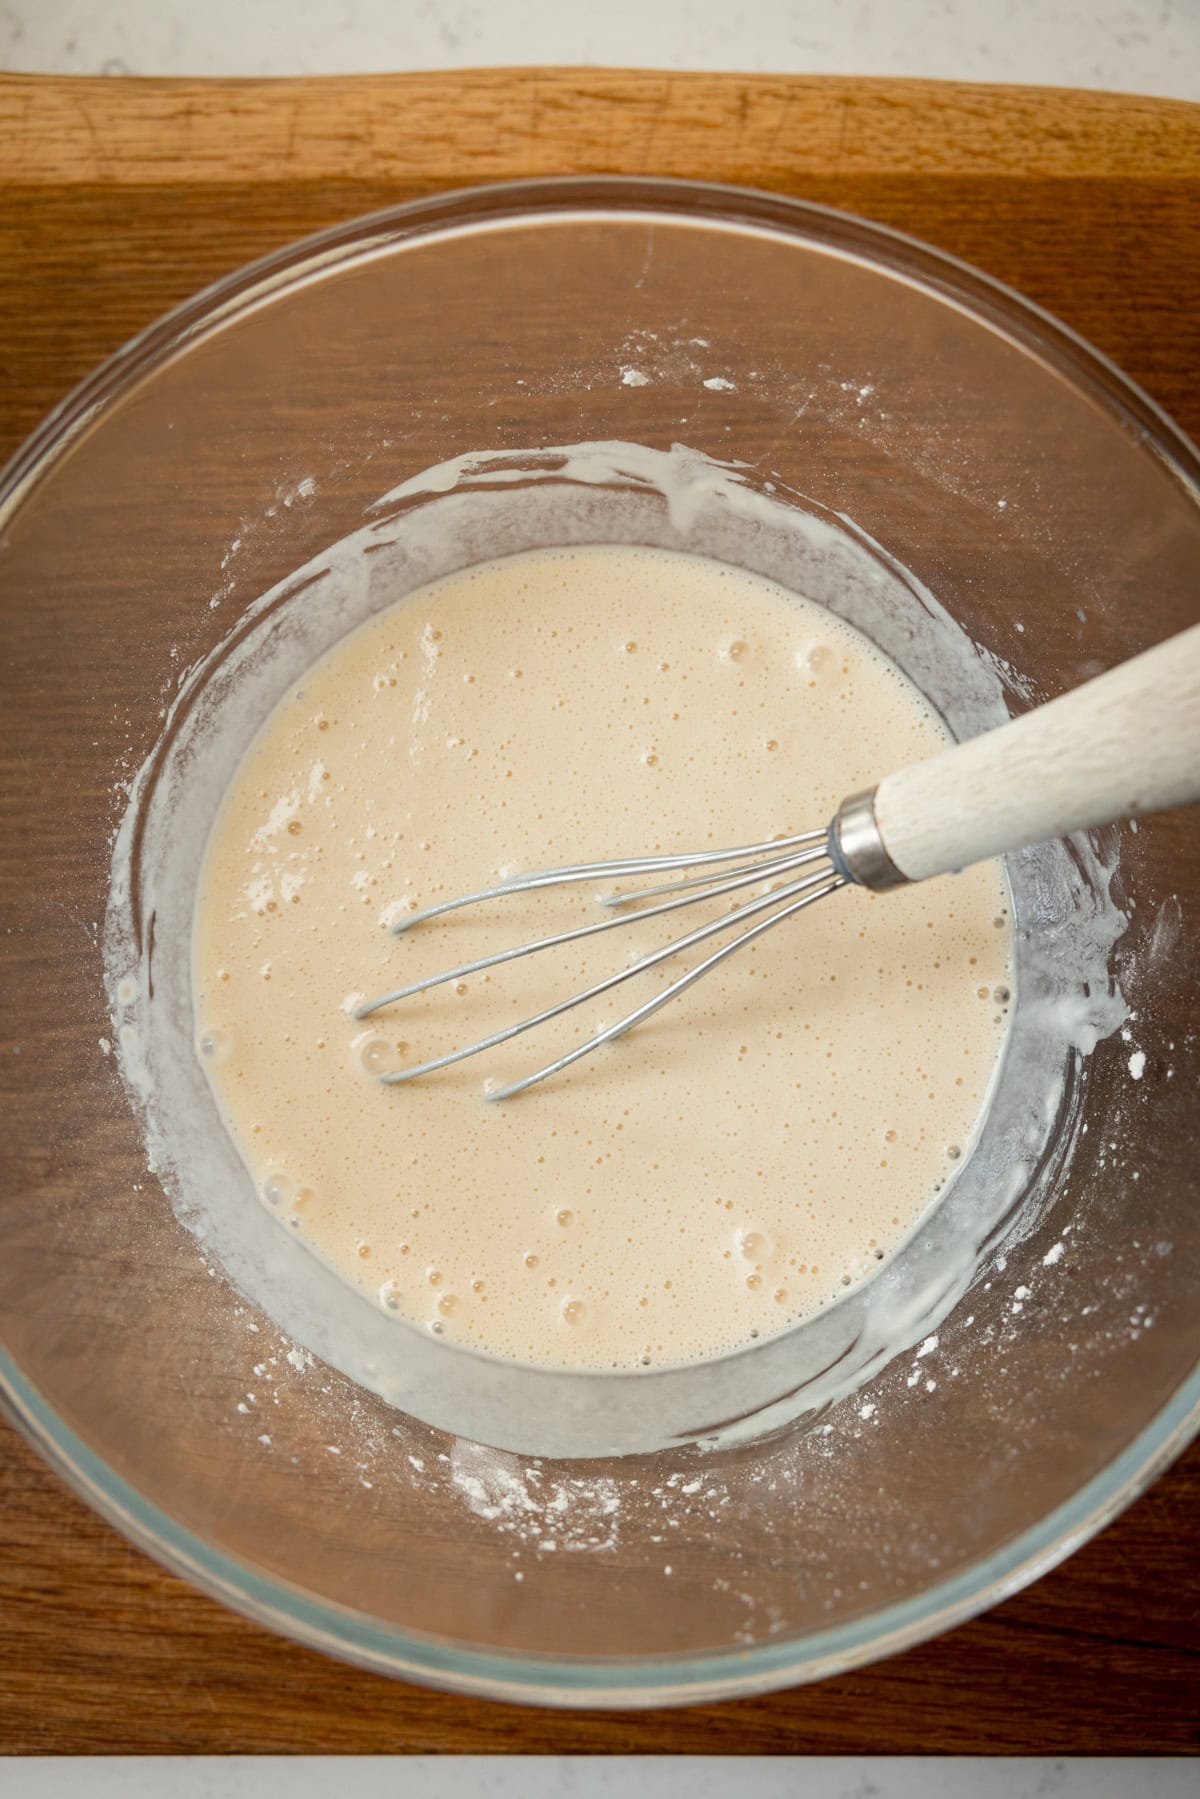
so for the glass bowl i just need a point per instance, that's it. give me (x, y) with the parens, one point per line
(930, 415)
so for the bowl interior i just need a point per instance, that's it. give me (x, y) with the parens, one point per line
(1052, 513)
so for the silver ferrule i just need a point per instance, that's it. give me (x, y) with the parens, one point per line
(856, 847)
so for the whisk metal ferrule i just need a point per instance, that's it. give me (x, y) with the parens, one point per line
(856, 846)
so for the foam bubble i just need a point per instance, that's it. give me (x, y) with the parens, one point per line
(279, 1189)
(215, 1045)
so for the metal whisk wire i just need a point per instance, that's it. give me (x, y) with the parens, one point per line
(780, 902)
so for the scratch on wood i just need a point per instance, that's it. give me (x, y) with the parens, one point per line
(662, 107)
(293, 125)
(780, 128)
(839, 154)
(535, 111)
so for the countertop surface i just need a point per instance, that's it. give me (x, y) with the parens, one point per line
(606, 1777)
(1130, 46)
(118, 199)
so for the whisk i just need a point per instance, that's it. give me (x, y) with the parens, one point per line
(1125, 743)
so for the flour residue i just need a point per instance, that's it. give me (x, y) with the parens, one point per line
(544, 1510)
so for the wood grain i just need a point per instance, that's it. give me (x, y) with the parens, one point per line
(500, 124)
(118, 199)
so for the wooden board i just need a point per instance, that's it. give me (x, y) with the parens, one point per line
(118, 199)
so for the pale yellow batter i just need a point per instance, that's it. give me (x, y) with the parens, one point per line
(736, 1162)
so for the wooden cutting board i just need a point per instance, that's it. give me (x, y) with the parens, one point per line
(120, 198)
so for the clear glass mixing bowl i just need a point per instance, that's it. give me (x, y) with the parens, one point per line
(1045, 502)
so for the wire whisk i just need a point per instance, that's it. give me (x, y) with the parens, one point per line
(783, 856)
(1124, 744)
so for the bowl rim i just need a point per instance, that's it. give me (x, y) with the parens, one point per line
(593, 1683)
(589, 1682)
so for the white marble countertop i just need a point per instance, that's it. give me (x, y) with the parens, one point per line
(1132, 46)
(596, 1777)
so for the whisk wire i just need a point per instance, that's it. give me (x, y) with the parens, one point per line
(749, 877)
(619, 870)
(800, 893)
(831, 883)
